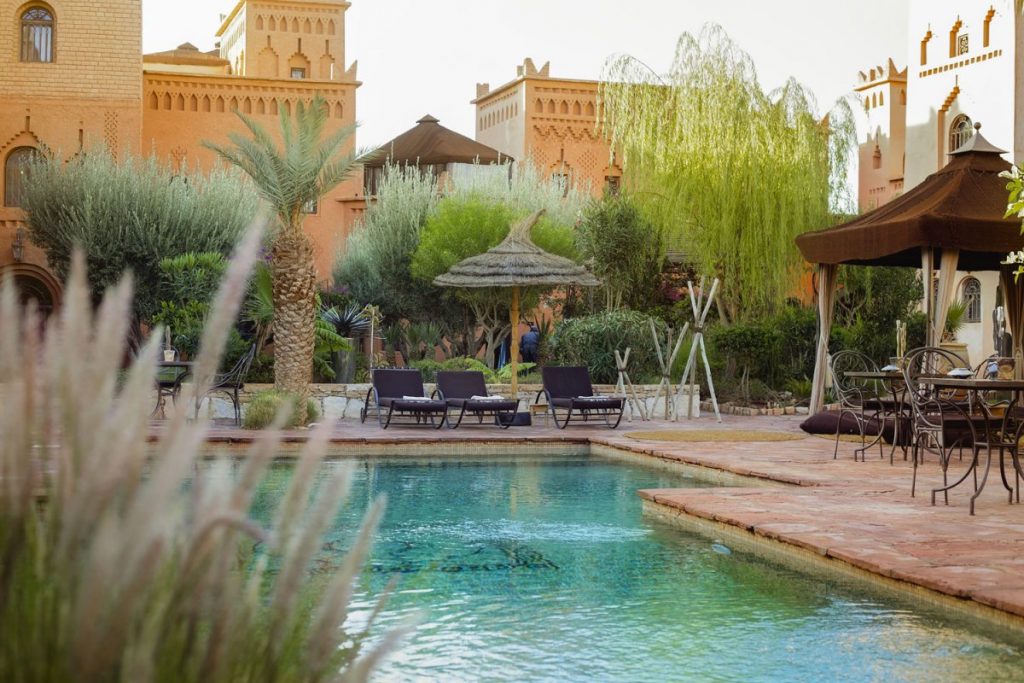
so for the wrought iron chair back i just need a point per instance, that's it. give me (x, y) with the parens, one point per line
(851, 392)
(859, 398)
(928, 403)
(231, 382)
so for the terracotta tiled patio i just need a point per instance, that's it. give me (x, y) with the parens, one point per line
(859, 513)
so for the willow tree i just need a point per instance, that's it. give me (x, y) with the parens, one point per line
(730, 172)
(291, 174)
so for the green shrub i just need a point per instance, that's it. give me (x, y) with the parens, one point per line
(800, 388)
(750, 348)
(429, 367)
(591, 341)
(263, 406)
(131, 214)
(625, 251)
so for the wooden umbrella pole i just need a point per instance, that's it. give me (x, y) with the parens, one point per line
(515, 342)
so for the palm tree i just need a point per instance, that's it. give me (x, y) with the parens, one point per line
(291, 177)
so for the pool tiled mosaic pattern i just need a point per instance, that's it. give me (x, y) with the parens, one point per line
(859, 513)
(544, 568)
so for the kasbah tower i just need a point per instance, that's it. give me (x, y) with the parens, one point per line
(73, 77)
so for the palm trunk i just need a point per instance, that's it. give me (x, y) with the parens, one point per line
(294, 275)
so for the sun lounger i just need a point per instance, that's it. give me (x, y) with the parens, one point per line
(466, 392)
(398, 396)
(569, 391)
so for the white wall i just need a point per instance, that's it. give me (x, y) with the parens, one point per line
(986, 83)
(507, 136)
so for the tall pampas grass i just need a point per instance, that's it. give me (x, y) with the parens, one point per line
(119, 561)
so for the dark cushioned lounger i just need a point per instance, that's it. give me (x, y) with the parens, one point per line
(569, 390)
(457, 390)
(389, 398)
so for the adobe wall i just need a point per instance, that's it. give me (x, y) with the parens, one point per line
(181, 111)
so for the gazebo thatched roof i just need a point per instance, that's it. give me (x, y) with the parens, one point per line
(517, 262)
(431, 143)
(959, 207)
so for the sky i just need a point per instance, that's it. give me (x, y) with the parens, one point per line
(417, 57)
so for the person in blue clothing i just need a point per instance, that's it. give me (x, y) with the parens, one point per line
(530, 344)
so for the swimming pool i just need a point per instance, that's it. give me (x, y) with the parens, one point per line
(543, 568)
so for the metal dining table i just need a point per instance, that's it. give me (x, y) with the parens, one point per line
(1006, 437)
(897, 388)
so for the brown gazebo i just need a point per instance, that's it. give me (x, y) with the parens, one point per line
(954, 218)
(430, 147)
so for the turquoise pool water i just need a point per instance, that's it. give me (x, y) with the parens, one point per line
(544, 569)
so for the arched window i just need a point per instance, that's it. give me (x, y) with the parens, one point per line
(971, 296)
(37, 35)
(960, 132)
(16, 172)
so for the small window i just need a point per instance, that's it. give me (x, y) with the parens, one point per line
(971, 297)
(960, 132)
(37, 35)
(298, 73)
(962, 44)
(312, 207)
(16, 175)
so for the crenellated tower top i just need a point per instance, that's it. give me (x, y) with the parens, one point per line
(296, 39)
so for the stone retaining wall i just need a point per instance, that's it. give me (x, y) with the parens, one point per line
(345, 401)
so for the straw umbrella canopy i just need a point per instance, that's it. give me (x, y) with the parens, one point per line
(516, 262)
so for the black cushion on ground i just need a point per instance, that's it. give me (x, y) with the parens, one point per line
(827, 421)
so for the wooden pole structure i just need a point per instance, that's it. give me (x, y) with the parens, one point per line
(666, 361)
(514, 360)
(701, 308)
(631, 398)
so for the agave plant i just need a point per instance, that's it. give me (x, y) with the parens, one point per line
(350, 321)
(112, 567)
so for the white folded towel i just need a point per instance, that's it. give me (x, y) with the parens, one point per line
(487, 398)
(595, 396)
(415, 398)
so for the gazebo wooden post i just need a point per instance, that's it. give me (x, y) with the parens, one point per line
(514, 353)
(826, 304)
(928, 301)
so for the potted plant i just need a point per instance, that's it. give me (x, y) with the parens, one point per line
(954, 322)
(349, 322)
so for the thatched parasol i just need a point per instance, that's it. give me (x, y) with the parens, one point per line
(516, 262)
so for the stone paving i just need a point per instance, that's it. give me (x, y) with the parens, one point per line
(860, 513)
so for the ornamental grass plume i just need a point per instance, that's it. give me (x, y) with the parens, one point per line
(119, 560)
